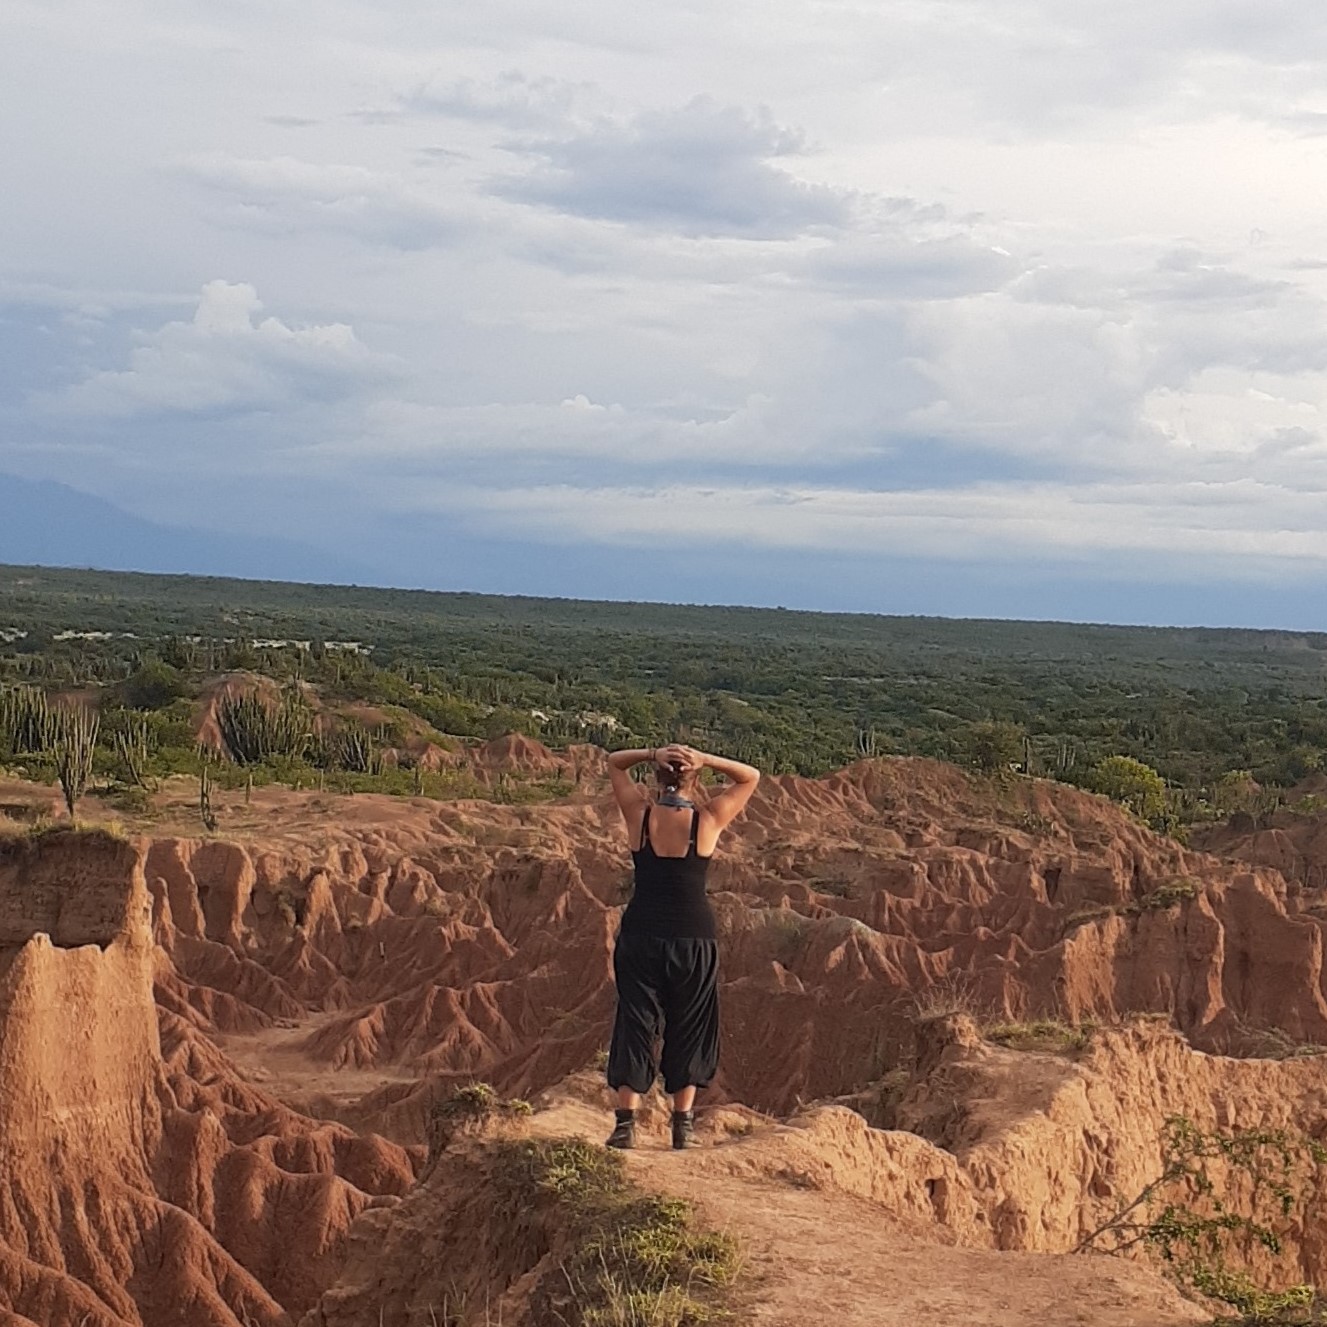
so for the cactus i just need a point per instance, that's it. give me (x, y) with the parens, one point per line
(253, 730)
(353, 749)
(866, 742)
(27, 725)
(74, 746)
(205, 795)
(131, 746)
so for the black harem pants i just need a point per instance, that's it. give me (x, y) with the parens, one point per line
(668, 986)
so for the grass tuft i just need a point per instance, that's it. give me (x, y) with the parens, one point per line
(1045, 1034)
(951, 995)
(634, 1259)
(1169, 895)
(470, 1110)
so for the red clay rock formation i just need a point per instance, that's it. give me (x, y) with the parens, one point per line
(365, 954)
(468, 939)
(137, 1188)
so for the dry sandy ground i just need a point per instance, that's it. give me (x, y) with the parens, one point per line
(826, 1257)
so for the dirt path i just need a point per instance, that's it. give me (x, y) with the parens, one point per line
(274, 1059)
(826, 1257)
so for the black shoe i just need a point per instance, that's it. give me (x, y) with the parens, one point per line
(684, 1129)
(623, 1135)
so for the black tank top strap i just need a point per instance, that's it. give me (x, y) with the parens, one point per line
(691, 838)
(645, 830)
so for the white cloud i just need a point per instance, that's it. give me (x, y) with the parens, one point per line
(286, 195)
(1240, 530)
(703, 169)
(226, 358)
(1041, 275)
(511, 98)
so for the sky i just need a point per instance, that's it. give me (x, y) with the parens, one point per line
(962, 307)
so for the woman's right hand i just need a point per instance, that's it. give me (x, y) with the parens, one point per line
(686, 758)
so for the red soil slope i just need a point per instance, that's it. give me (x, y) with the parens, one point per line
(469, 939)
(365, 953)
(136, 1186)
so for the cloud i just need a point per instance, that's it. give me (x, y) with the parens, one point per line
(1243, 530)
(226, 359)
(511, 99)
(702, 170)
(1116, 367)
(907, 263)
(1029, 275)
(578, 428)
(284, 195)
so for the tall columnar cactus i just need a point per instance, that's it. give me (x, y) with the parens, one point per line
(205, 811)
(354, 750)
(131, 747)
(26, 721)
(75, 745)
(254, 730)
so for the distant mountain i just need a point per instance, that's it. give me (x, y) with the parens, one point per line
(49, 524)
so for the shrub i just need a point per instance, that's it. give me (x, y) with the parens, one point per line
(1184, 1214)
(953, 994)
(635, 1259)
(1131, 783)
(152, 686)
(993, 745)
(1045, 1034)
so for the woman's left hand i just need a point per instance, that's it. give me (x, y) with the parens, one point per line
(687, 758)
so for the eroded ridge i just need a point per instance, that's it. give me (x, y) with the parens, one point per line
(138, 1189)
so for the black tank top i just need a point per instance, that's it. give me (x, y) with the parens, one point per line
(669, 901)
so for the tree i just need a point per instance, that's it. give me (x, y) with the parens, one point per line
(994, 744)
(152, 686)
(1236, 790)
(1131, 783)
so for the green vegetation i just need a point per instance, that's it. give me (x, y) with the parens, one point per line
(1132, 784)
(1043, 1034)
(74, 741)
(478, 1101)
(471, 1106)
(1170, 895)
(1185, 1215)
(1180, 725)
(634, 1259)
(992, 745)
(255, 732)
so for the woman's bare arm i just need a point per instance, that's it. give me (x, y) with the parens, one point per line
(727, 804)
(625, 789)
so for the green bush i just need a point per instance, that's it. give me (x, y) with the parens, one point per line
(152, 686)
(993, 745)
(1185, 1214)
(1132, 784)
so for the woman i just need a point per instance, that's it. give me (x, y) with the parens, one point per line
(666, 958)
